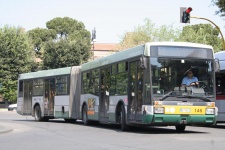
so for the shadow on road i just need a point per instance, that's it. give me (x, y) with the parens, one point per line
(133, 129)
(218, 126)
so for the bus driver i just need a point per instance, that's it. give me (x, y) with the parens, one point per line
(190, 80)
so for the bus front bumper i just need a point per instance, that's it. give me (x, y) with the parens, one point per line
(162, 119)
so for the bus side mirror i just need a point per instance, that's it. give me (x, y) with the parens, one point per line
(217, 65)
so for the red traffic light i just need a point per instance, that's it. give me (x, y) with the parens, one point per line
(185, 14)
(188, 10)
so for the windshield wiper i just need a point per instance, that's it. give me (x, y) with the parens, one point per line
(164, 97)
(189, 96)
(167, 95)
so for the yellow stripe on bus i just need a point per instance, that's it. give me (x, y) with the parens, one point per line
(185, 109)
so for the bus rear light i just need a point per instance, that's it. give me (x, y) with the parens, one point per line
(159, 110)
(210, 111)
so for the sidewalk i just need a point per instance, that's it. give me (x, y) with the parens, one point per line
(4, 129)
(3, 109)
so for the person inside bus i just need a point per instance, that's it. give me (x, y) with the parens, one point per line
(190, 80)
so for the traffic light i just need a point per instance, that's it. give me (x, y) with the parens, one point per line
(185, 14)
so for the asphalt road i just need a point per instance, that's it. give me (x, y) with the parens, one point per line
(58, 135)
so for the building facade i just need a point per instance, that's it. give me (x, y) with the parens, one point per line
(99, 50)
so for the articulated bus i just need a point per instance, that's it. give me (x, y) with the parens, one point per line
(140, 86)
(220, 87)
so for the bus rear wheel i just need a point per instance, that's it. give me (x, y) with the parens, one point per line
(70, 120)
(180, 128)
(37, 113)
(85, 116)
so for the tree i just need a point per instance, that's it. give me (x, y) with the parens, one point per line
(39, 37)
(9, 90)
(16, 57)
(147, 33)
(66, 26)
(221, 6)
(71, 46)
(202, 33)
(60, 54)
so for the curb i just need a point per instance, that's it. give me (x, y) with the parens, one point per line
(3, 109)
(4, 129)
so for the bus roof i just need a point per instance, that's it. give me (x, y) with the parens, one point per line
(135, 51)
(220, 55)
(116, 57)
(45, 73)
(188, 44)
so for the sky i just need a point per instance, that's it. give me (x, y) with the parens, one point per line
(110, 18)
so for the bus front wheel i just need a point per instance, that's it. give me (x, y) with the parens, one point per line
(122, 119)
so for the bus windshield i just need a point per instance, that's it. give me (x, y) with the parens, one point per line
(168, 73)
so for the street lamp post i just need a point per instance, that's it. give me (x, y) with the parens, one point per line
(93, 49)
(216, 28)
(93, 39)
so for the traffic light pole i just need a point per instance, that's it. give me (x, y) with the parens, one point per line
(215, 26)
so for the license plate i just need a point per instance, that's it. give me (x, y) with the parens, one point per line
(199, 110)
(185, 110)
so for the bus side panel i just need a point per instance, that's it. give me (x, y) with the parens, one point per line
(113, 101)
(147, 114)
(19, 105)
(61, 107)
(38, 100)
(93, 105)
(220, 104)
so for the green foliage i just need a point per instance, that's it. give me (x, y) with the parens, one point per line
(202, 33)
(61, 54)
(65, 26)
(221, 6)
(66, 42)
(16, 57)
(9, 90)
(71, 47)
(147, 33)
(39, 36)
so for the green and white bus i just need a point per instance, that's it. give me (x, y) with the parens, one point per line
(140, 86)
(50, 94)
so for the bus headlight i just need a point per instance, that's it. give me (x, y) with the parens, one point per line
(159, 110)
(210, 111)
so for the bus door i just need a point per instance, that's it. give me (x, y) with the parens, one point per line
(27, 101)
(135, 99)
(49, 96)
(104, 96)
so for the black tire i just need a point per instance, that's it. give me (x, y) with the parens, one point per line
(37, 113)
(85, 116)
(70, 120)
(122, 119)
(180, 128)
(46, 119)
